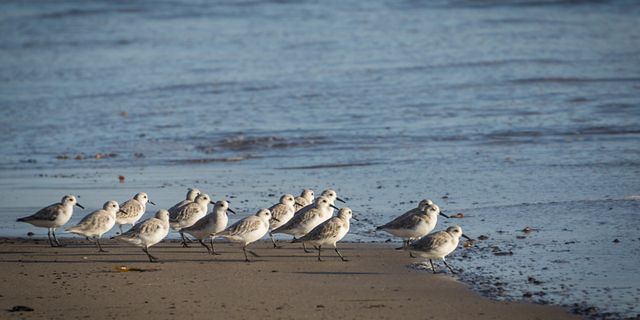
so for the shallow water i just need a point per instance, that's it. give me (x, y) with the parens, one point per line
(523, 113)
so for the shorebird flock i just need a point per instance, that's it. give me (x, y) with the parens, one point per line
(309, 219)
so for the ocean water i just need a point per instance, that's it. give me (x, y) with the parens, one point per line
(515, 113)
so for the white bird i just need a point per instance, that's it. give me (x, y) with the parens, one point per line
(305, 199)
(97, 223)
(209, 225)
(191, 196)
(53, 216)
(302, 223)
(248, 230)
(281, 213)
(134, 209)
(414, 226)
(329, 232)
(188, 214)
(147, 233)
(438, 245)
(332, 195)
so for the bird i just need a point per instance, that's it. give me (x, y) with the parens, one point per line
(248, 230)
(282, 211)
(413, 226)
(438, 245)
(53, 216)
(329, 232)
(305, 199)
(312, 216)
(332, 195)
(191, 195)
(134, 209)
(209, 225)
(147, 233)
(188, 214)
(97, 223)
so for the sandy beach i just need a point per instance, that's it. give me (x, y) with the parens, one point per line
(77, 282)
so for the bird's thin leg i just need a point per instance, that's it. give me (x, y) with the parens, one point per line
(319, 251)
(433, 268)
(253, 253)
(244, 249)
(151, 258)
(305, 248)
(273, 240)
(338, 252)
(120, 228)
(49, 235)
(99, 246)
(206, 246)
(213, 250)
(446, 264)
(184, 240)
(53, 232)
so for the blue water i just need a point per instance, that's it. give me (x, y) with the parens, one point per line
(501, 106)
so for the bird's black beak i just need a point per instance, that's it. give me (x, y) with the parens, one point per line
(340, 200)
(354, 218)
(152, 202)
(79, 205)
(444, 215)
(213, 203)
(120, 210)
(332, 206)
(275, 219)
(300, 204)
(229, 209)
(465, 236)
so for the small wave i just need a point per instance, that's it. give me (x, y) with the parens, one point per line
(569, 80)
(527, 21)
(244, 143)
(211, 160)
(619, 108)
(77, 43)
(417, 4)
(608, 130)
(87, 12)
(469, 64)
(332, 165)
(531, 136)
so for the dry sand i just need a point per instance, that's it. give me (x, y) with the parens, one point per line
(78, 282)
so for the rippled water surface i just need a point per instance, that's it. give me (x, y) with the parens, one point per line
(516, 113)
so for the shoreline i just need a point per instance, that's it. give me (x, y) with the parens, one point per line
(77, 281)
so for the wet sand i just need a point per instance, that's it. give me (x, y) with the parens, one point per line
(78, 282)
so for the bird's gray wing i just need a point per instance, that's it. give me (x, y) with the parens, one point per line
(278, 210)
(199, 224)
(131, 207)
(244, 227)
(47, 213)
(185, 212)
(299, 218)
(432, 241)
(402, 222)
(329, 229)
(147, 226)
